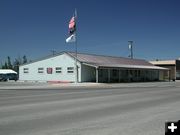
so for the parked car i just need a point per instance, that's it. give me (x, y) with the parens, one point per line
(3, 77)
(8, 74)
(12, 76)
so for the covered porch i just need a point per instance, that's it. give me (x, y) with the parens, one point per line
(119, 74)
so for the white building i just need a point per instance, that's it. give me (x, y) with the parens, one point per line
(91, 68)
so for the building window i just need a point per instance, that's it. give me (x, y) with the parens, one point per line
(41, 70)
(100, 72)
(177, 74)
(49, 70)
(58, 70)
(114, 72)
(70, 69)
(138, 73)
(26, 70)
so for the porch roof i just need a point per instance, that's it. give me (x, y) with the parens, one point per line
(96, 65)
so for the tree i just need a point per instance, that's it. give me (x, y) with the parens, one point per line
(24, 59)
(9, 65)
(16, 65)
(1, 65)
(5, 66)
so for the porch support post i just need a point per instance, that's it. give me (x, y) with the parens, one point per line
(108, 75)
(119, 75)
(97, 75)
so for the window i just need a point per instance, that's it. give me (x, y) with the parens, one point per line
(49, 70)
(58, 70)
(115, 72)
(100, 72)
(70, 69)
(138, 73)
(178, 74)
(26, 70)
(40, 70)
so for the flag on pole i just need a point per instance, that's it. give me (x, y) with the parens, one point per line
(72, 30)
(72, 23)
(71, 38)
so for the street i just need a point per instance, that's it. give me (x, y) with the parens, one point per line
(97, 111)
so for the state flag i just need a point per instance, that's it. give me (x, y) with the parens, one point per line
(71, 38)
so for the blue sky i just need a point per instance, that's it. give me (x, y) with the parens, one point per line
(35, 27)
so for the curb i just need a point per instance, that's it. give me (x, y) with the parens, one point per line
(55, 82)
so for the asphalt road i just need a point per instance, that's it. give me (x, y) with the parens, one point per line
(116, 111)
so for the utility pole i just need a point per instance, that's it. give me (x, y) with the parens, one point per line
(130, 43)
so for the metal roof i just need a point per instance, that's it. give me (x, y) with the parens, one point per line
(164, 62)
(106, 61)
(111, 61)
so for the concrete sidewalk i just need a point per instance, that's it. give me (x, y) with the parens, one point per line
(44, 85)
(119, 85)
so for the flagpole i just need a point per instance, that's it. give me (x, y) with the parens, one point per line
(76, 46)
